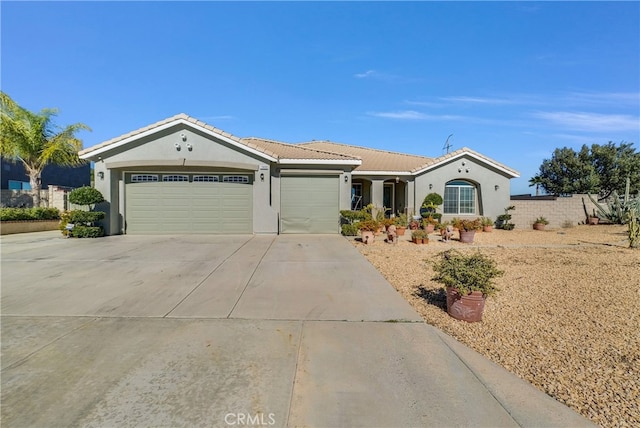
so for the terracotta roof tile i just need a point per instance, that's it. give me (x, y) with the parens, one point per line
(373, 159)
(296, 151)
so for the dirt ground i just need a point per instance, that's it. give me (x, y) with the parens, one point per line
(566, 318)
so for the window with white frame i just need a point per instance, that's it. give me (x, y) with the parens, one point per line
(143, 178)
(206, 179)
(235, 179)
(175, 177)
(459, 197)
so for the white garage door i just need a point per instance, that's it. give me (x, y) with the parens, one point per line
(188, 203)
(310, 204)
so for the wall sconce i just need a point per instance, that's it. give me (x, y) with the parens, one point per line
(101, 175)
(262, 176)
(397, 180)
(430, 186)
(496, 187)
(346, 178)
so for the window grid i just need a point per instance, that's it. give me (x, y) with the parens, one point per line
(206, 178)
(143, 178)
(175, 177)
(235, 179)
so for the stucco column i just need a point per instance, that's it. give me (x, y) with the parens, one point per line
(377, 193)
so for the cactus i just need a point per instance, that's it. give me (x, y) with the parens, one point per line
(616, 211)
(634, 225)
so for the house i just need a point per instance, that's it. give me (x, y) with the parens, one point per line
(181, 175)
(15, 177)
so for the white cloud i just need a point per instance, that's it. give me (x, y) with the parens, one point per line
(594, 122)
(479, 100)
(368, 73)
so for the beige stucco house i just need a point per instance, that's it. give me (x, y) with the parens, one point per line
(181, 175)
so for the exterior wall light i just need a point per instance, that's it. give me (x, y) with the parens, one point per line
(101, 175)
(346, 178)
(430, 186)
(397, 180)
(262, 176)
(496, 187)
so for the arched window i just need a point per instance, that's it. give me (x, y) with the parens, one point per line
(459, 197)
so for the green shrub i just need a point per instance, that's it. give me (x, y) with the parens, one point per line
(349, 230)
(85, 196)
(79, 216)
(15, 214)
(80, 231)
(353, 216)
(467, 272)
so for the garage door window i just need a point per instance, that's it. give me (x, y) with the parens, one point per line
(235, 179)
(175, 177)
(206, 178)
(143, 178)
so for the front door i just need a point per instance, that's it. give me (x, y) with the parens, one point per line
(388, 199)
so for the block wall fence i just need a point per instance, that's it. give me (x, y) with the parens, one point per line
(560, 211)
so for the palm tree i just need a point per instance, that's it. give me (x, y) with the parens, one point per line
(536, 181)
(35, 141)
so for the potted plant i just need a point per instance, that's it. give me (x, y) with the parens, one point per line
(503, 219)
(401, 223)
(429, 224)
(487, 224)
(540, 223)
(419, 236)
(468, 280)
(368, 228)
(467, 229)
(430, 204)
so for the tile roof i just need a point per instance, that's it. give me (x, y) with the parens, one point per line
(296, 151)
(373, 159)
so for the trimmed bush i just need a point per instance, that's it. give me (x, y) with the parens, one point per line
(17, 214)
(85, 196)
(80, 231)
(349, 230)
(79, 216)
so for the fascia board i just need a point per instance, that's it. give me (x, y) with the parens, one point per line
(478, 158)
(396, 173)
(288, 161)
(148, 132)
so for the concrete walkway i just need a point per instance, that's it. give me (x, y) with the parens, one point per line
(289, 330)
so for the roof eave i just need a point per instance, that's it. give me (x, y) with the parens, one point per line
(88, 154)
(438, 162)
(292, 161)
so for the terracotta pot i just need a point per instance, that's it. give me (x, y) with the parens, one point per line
(368, 237)
(593, 220)
(417, 240)
(465, 308)
(538, 226)
(487, 228)
(429, 228)
(400, 230)
(467, 236)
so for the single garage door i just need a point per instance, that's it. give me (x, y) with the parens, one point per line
(188, 203)
(310, 204)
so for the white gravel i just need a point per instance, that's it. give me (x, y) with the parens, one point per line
(567, 318)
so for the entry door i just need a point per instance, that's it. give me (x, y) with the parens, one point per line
(388, 198)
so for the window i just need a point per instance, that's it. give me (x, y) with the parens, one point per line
(235, 179)
(143, 178)
(175, 177)
(206, 178)
(459, 198)
(19, 185)
(356, 196)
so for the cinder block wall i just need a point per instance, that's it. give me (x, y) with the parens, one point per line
(560, 211)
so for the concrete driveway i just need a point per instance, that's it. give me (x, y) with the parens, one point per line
(289, 330)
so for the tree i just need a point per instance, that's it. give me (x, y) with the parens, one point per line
(599, 169)
(34, 140)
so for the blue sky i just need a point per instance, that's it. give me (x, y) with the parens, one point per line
(512, 80)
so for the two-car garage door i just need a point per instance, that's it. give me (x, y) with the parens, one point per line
(188, 203)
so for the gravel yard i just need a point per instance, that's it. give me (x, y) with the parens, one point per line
(567, 318)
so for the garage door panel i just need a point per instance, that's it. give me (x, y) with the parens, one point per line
(189, 207)
(310, 204)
